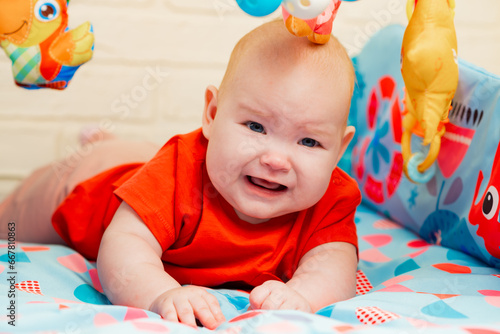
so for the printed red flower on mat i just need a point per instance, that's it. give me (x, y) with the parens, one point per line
(372, 315)
(30, 287)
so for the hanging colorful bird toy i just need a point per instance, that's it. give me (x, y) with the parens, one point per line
(43, 51)
(429, 67)
(311, 19)
(304, 18)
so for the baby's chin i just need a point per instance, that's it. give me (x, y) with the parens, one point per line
(252, 219)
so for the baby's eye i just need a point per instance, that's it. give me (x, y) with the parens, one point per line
(309, 142)
(257, 127)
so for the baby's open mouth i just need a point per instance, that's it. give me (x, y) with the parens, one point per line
(266, 184)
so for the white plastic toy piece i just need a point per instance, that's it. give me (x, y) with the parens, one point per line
(412, 169)
(306, 9)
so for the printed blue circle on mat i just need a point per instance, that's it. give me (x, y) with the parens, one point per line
(88, 294)
(20, 257)
(405, 267)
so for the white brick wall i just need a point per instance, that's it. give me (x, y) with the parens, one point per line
(187, 44)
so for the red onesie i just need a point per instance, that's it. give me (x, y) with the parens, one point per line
(203, 240)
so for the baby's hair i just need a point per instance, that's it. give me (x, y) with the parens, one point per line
(273, 43)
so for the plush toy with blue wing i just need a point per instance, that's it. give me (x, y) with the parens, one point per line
(43, 51)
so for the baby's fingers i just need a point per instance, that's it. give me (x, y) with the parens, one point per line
(259, 295)
(169, 313)
(298, 304)
(185, 312)
(207, 310)
(274, 300)
(213, 303)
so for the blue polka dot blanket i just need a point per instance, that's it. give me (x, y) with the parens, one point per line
(404, 285)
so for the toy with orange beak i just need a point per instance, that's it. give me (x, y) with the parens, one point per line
(312, 18)
(429, 68)
(43, 51)
(304, 18)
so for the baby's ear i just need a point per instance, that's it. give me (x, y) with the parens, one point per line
(211, 95)
(348, 135)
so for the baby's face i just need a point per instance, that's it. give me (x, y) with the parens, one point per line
(275, 141)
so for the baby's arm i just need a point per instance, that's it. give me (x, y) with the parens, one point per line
(132, 273)
(326, 274)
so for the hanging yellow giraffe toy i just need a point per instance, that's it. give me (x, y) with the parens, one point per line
(429, 67)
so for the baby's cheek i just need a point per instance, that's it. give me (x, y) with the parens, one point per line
(313, 190)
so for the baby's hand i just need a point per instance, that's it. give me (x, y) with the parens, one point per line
(276, 295)
(186, 303)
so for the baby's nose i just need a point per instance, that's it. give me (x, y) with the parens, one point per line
(276, 161)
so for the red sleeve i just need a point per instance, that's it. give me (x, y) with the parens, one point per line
(145, 189)
(159, 191)
(86, 212)
(335, 213)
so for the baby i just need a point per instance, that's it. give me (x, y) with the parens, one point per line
(251, 200)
